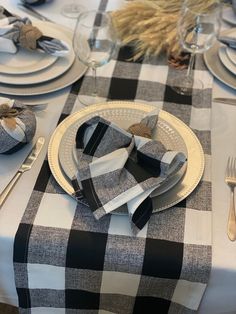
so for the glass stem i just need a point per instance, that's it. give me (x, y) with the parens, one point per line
(94, 69)
(190, 68)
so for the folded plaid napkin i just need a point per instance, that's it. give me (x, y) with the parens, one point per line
(17, 125)
(35, 2)
(116, 167)
(16, 31)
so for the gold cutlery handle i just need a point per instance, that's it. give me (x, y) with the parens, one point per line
(9, 187)
(228, 101)
(232, 217)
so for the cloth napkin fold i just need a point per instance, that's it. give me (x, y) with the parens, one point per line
(16, 31)
(116, 167)
(17, 125)
(35, 2)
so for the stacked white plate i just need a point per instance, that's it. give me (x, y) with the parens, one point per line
(29, 73)
(221, 61)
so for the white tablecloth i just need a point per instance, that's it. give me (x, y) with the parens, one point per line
(220, 296)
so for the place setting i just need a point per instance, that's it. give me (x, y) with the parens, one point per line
(221, 57)
(41, 57)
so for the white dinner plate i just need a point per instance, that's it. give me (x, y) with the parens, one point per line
(24, 61)
(164, 132)
(231, 53)
(61, 64)
(226, 61)
(229, 16)
(215, 65)
(75, 72)
(137, 111)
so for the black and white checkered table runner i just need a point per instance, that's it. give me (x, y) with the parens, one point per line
(65, 261)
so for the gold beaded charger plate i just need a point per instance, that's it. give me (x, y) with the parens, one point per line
(173, 132)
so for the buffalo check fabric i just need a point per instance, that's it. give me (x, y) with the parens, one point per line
(66, 261)
(117, 168)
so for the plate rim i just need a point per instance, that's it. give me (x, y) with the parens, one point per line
(75, 72)
(57, 68)
(186, 188)
(230, 66)
(64, 158)
(214, 50)
(4, 69)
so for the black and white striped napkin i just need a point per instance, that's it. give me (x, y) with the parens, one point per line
(116, 167)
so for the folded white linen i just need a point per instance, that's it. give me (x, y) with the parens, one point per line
(116, 167)
(16, 31)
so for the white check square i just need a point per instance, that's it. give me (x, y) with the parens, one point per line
(56, 210)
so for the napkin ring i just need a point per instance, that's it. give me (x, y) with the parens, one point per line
(29, 35)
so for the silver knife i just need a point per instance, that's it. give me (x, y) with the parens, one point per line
(229, 101)
(27, 8)
(26, 165)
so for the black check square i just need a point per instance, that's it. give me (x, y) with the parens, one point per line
(162, 259)
(79, 299)
(86, 250)
(172, 96)
(151, 305)
(126, 53)
(122, 89)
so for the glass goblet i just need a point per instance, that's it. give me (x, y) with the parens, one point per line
(94, 43)
(198, 27)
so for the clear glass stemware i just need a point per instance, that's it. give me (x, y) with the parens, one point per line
(72, 9)
(94, 43)
(198, 27)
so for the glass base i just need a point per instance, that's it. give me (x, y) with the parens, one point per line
(72, 10)
(186, 86)
(90, 100)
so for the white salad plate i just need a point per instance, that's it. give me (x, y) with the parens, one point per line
(61, 64)
(24, 62)
(171, 131)
(216, 67)
(226, 61)
(68, 76)
(231, 53)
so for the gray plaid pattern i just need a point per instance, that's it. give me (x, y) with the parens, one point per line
(67, 261)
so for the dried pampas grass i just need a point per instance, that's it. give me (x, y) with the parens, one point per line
(150, 25)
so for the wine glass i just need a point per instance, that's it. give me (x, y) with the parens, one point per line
(198, 27)
(94, 43)
(72, 10)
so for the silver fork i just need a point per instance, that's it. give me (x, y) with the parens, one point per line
(230, 179)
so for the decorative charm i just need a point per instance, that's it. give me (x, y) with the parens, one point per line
(17, 125)
(29, 35)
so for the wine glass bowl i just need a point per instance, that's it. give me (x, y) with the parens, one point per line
(94, 42)
(198, 27)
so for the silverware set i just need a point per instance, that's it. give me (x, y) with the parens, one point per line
(26, 165)
(228, 101)
(230, 179)
(28, 9)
